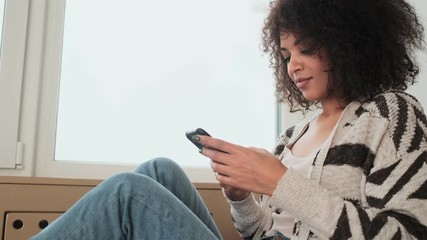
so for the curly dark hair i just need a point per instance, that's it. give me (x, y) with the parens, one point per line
(370, 45)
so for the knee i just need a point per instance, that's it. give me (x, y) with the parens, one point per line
(158, 164)
(128, 185)
(165, 163)
(123, 183)
(162, 170)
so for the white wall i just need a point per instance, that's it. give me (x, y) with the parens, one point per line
(419, 89)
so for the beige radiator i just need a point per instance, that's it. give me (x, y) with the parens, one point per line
(29, 204)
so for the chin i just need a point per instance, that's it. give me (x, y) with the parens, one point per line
(313, 97)
(310, 97)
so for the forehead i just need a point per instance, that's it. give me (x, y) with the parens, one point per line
(287, 38)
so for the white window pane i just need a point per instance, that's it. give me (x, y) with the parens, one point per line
(137, 74)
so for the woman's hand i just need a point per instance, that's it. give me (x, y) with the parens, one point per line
(235, 194)
(241, 170)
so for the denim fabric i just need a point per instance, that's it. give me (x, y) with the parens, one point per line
(157, 201)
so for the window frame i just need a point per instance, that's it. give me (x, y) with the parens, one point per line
(14, 37)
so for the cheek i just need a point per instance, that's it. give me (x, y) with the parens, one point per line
(288, 72)
(322, 77)
(325, 82)
(325, 64)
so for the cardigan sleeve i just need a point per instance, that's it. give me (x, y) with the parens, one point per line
(394, 189)
(247, 215)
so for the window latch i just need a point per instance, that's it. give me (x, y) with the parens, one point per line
(19, 155)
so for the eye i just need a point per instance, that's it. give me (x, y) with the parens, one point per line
(309, 48)
(309, 51)
(286, 57)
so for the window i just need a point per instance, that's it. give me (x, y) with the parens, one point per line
(47, 68)
(135, 76)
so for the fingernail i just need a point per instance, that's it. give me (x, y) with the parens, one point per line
(195, 138)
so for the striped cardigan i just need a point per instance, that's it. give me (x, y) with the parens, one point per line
(368, 182)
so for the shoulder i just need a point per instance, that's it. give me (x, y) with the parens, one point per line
(406, 121)
(393, 106)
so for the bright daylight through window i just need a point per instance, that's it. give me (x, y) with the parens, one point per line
(136, 75)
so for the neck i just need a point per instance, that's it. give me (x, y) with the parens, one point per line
(332, 107)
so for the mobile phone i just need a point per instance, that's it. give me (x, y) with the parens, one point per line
(198, 131)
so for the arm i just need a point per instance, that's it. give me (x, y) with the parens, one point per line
(242, 169)
(247, 216)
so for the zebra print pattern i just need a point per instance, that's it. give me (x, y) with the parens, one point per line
(371, 180)
(407, 131)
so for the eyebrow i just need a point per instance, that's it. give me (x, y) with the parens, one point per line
(296, 43)
(299, 41)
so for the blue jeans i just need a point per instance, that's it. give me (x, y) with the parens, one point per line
(157, 201)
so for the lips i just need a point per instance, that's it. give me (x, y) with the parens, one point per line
(302, 82)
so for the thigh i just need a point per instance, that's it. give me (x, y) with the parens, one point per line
(128, 206)
(171, 176)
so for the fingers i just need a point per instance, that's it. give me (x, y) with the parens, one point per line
(216, 156)
(220, 177)
(219, 168)
(259, 150)
(240, 167)
(224, 180)
(218, 144)
(223, 174)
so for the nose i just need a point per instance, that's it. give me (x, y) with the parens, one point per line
(294, 65)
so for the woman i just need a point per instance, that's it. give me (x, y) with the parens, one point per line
(357, 170)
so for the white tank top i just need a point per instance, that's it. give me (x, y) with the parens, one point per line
(284, 222)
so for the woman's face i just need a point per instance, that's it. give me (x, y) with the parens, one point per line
(308, 68)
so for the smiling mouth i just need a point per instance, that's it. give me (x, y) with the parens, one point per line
(302, 82)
